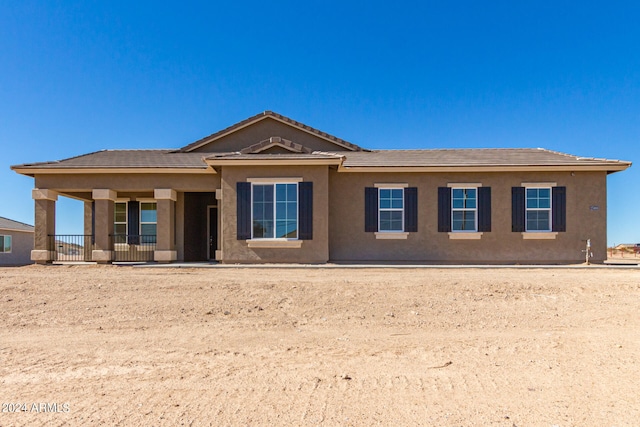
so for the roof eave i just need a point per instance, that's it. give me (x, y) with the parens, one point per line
(610, 168)
(27, 171)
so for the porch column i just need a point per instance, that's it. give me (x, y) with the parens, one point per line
(103, 229)
(88, 230)
(166, 225)
(45, 224)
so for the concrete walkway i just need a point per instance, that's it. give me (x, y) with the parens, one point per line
(365, 266)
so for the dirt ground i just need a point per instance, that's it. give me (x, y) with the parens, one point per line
(107, 345)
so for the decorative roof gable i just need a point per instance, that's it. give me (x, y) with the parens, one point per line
(275, 141)
(334, 142)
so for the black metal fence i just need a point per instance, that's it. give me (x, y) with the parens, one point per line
(70, 247)
(133, 247)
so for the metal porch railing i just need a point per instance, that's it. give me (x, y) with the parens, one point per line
(133, 247)
(70, 247)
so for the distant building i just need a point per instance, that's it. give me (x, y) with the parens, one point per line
(628, 247)
(16, 242)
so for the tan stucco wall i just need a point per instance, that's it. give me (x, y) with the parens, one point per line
(349, 242)
(312, 251)
(338, 220)
(21, 246)
(265, 129)
(123, 183)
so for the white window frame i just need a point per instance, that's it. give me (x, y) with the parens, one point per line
(380, 209)
(474, 210)
(4, 248)
(527, 208)
(274, 183)
(126, 217)
(140, 222)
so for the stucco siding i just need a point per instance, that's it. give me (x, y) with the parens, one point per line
(21, 246)
(586, 219)
(123, 183)
(311, 251)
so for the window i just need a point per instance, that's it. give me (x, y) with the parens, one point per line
(538, 209)
(148, 222)
(274, 211)
(391, 216)
(120, 221)
(5, 244)
(464, 209)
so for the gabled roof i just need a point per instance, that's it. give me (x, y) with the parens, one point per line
(274, 116)
(9, 224)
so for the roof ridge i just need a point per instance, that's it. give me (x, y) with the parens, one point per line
(560, 153)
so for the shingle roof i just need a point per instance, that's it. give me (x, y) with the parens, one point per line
(277, 116)
(126, 159)
(9, 224)
(153, 159)
(470, 157)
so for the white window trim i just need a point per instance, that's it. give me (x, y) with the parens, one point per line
(274, 243)
(464, 185)
(140, 222)
(475, 219)
(283, 180)
(271, 181)
(390, 210)
(538, 184)
(391, 235)
(527, 209)
(465, 235)
(4, 236)
(392, 185)
(126, 215)
(539, 235)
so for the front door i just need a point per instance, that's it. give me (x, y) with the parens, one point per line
(213, 231)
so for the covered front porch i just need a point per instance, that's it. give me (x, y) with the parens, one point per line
(160, 225)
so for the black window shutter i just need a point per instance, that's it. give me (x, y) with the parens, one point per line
(517, 209)
(444, 209)
(133, 223)
(484, 209)
(305, 210)
(559, 209)
(243, 205)
(370, 209)
(411, 209)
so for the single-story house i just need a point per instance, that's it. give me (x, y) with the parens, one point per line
(271, 189)
(16, 242)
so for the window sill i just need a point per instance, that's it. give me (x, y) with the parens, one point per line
(465, 235)
(539, 235)
(276, 244)
(391, 235)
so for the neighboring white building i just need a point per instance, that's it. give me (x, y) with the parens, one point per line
(16, 242)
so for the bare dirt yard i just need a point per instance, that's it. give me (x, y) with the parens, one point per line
(107, 345)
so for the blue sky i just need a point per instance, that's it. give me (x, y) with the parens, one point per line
(76, 77)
